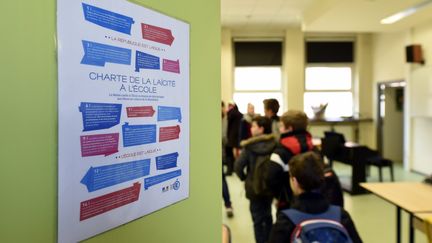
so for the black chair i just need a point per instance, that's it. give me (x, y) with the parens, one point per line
(337, 136)
(381, 162)
(333, 148)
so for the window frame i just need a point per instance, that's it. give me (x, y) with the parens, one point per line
(251, 91)
(352, 90)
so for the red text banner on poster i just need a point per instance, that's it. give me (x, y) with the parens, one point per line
(171, 66)
(101, 144)
(105, 203)
(169, 133)
(140, 111)
(157, 34)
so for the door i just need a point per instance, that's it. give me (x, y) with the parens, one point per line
(390, 120)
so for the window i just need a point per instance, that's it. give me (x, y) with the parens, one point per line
(330, 85)
(257, 74)
(254, 84)
(329, 77)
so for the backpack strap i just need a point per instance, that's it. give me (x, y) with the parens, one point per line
(277, 159)
(296, 216)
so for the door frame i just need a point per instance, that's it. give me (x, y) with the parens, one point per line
(381, 86)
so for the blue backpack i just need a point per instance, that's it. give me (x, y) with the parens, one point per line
(314, 228)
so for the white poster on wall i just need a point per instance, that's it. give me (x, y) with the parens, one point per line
(123, 75)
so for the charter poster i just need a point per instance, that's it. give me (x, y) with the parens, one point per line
(123, 105)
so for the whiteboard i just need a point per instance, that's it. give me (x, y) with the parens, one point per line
(421, 92)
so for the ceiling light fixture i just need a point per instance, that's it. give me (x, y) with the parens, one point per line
(405, 13)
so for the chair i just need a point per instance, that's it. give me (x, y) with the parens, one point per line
(338, 136)
(381, 162)
(333, 148)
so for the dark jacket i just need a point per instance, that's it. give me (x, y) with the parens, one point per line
(331, 188)
(234, 118)
(290, 144)
(245, 126)
(252, 147)
(311, 203)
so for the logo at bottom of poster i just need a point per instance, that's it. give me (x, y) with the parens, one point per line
(174, 186)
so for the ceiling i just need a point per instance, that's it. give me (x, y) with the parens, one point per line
(319, 15)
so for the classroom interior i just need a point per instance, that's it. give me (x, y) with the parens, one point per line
(383, 104)
(378, 72)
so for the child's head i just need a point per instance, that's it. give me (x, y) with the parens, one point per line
(261, 125)
(293, 120)
(271, 107)
(306, 172)
(250, 109)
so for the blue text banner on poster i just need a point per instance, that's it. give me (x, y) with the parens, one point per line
(166, 113)
(154, 180)
(97, 54)
(108, 19)
(146, 61)
(166, 161)
(98, 116)
(109, 175)
(134, 135)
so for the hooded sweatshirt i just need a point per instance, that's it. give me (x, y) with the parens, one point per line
(245, 164)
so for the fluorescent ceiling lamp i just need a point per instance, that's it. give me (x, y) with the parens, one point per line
(405, 13)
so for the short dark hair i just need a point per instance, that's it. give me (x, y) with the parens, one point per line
(264, 122)
(308, 169)
(271, 104)
(296, 119)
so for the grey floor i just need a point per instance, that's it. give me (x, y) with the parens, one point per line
(374, 218)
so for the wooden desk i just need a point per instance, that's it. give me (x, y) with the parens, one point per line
(413, 197)
(419, 221)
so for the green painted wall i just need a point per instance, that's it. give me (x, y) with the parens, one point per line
(28, 137)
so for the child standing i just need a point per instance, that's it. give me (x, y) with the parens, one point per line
(294, 139)
(261, 144)
(271, 108)
(306, 176)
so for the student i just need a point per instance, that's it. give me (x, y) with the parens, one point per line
(271, 108)
(232, 148)
(294, 140)
(306, 176)
(225, 190)
(259, 146)
(246, 123)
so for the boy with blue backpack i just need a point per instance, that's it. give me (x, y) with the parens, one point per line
(311, 218)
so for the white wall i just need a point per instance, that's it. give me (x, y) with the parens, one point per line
(364, 87)
(421, 126)
(421, 145)
(389, 56)
(294, 66)
(389, 64)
